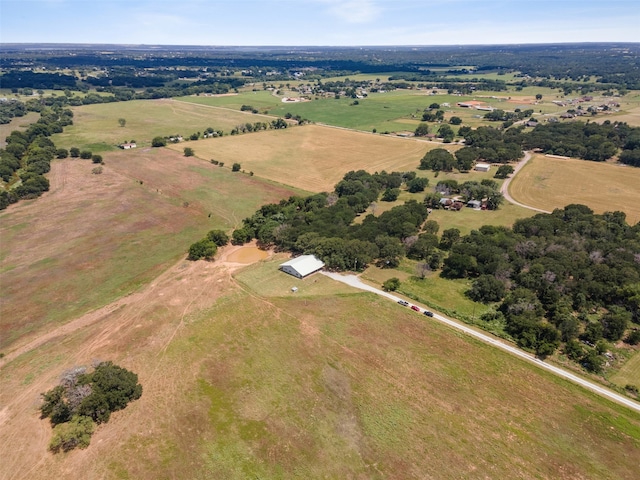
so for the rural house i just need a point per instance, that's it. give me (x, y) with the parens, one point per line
(302, 266)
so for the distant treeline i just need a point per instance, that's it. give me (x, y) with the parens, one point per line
(609, 63)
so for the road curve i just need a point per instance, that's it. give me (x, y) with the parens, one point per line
(504, 189)
(355, 282)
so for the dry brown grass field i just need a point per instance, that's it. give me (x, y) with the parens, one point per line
(550, 183)
(313, 157)
(94, 238)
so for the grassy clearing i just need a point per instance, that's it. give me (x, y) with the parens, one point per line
(96, 126)
(17, 123)
(312, 157)
(356, 386)
(121, 229)
(629, 373)
(265, 279)
(550, 183)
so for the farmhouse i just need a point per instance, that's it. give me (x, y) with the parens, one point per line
(127, 146)
(302, 266)
(482, 167)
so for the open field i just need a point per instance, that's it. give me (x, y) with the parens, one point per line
(17, 123)
(238, 385)
(629, 373)
(94, 238)
(550, 183)
(96, 126)
(312, 157)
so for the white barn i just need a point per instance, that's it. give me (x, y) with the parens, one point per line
(302, 266)
(482, 167)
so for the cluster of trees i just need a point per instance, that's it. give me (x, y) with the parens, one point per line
(258, 126)
(556, 278)
(486, 191)
(589, 141)
(322, 224)
(84, 399)
(27, 156)
(11, 109)
(208, 247)
(499, 115)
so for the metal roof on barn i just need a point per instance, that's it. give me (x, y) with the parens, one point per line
(302, 266)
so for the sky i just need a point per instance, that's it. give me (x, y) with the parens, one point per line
(318, 22)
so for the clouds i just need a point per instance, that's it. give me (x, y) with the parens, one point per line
(318, 22)
(353, 11)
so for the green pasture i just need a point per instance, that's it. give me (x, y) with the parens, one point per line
(357, 386)
(629, 374)
(96, 126)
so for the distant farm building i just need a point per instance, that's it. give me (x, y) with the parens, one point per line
(477, 204)
(127, 146)
(302, 266)
(482, 167)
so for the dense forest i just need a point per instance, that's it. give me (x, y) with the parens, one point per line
(556, 278)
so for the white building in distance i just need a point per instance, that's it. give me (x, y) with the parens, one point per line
(302, 266)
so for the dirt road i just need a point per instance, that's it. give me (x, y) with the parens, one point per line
(505, 186)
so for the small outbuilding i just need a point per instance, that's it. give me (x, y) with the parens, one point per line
(302, 266)
(482, 167)
(128, 146)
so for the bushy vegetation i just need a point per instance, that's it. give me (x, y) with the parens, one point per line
(84, 399)
(28, 155)
(589, 141)
(571, 274)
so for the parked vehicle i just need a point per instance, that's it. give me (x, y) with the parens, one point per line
(403, 303)
(428, 313)
(413, 307)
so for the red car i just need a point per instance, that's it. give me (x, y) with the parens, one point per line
(413, 307)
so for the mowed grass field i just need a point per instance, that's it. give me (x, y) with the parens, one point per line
(17, 123)
(96, 126)
(312, 157)
(629, 374)
(550, 183)
(94, 238)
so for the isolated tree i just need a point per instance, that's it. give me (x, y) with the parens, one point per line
(74, 152)
(188, 152)
(503, 171)
(236, 167)
(122, 122)
(391, 285)
(219, 237)
(421, 130)
(62, 153)
(538, 96)
(437, 159)
(418, 184)
(390, 194)
(158, 142)
(455, 120)
(96, 158)
(204, 248)
(86, 154)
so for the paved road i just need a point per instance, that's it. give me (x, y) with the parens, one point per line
(355, 281)
(505, 186)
